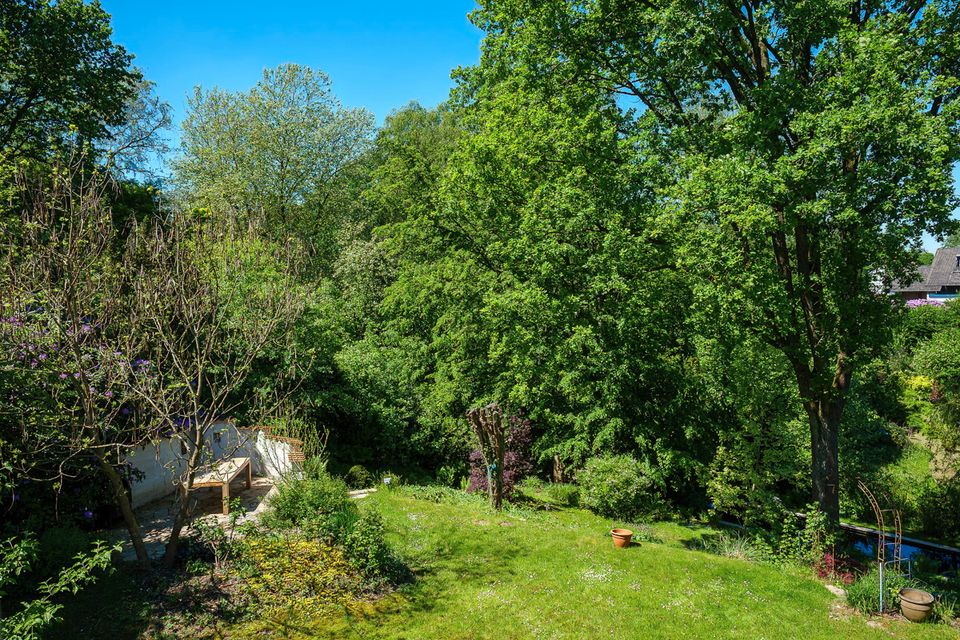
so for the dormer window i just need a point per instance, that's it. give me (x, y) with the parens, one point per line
(956, 267)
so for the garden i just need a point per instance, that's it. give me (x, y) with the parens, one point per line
(631, 334)
(437, 562)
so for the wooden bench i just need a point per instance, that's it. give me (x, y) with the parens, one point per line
(222, 475)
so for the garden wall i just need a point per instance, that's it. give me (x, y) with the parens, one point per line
(162, 462)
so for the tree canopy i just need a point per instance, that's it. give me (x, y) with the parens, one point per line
(61, 75)
(802, 150)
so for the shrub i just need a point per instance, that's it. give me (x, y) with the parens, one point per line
(939, 508)
(319, 502)
(864, 594)
(58, 546)
(35, 614)
(315, 467)
(220, 541)
(945, 609)
(389, 480)
(562, 493)
(735, 545)
(368, 552)
(330, 528)
(450, 476)
(618, 487)
(837, 567)
(358, 477)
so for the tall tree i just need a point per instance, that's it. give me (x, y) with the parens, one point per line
(60, 75)
(278, 150)
(529, 273)
(65, 337)
(805, 149)
(233, 297)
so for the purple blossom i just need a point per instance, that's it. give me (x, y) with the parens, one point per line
(63, 376)
(108, 393)
(925, 302)
(87, 514)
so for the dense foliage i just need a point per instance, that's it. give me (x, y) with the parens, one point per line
(618, 487)
(663, 233)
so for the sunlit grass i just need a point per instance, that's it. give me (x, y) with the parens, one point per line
(555, 574)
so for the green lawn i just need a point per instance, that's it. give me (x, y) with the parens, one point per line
(557, 575)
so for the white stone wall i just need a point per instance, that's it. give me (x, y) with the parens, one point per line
(162, 462)
(272, 456)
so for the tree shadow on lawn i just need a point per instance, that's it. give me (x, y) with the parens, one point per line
(130, 604)
(703, 541)
(117, 606)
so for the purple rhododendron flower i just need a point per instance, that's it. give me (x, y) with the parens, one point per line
(924, 302)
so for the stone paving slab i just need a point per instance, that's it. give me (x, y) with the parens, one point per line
(156, 518)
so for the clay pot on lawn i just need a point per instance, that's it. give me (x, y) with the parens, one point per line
(916, 605)
(621, 537)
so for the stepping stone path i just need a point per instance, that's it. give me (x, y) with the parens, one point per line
(835, 590)
(361, 493)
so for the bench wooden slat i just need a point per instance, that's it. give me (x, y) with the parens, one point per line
(222, 475)
(225, 471)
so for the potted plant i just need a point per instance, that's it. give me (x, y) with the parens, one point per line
(915, 604)
(621, 537)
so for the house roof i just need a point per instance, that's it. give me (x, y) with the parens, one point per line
(944, 272)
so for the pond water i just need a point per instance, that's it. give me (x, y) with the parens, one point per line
(945, 558)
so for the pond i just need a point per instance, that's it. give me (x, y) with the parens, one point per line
(865, 540)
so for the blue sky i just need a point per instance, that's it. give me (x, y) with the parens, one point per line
(379, 55)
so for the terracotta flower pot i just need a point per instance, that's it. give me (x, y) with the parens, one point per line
(621, 537)
(916, 605)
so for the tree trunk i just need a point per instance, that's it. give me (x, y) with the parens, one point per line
(122, 498)
(824, 406)
(498, 454)
(488, 423)
(824, 416)
(180, 519)
(173, 543)
(559, 470)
